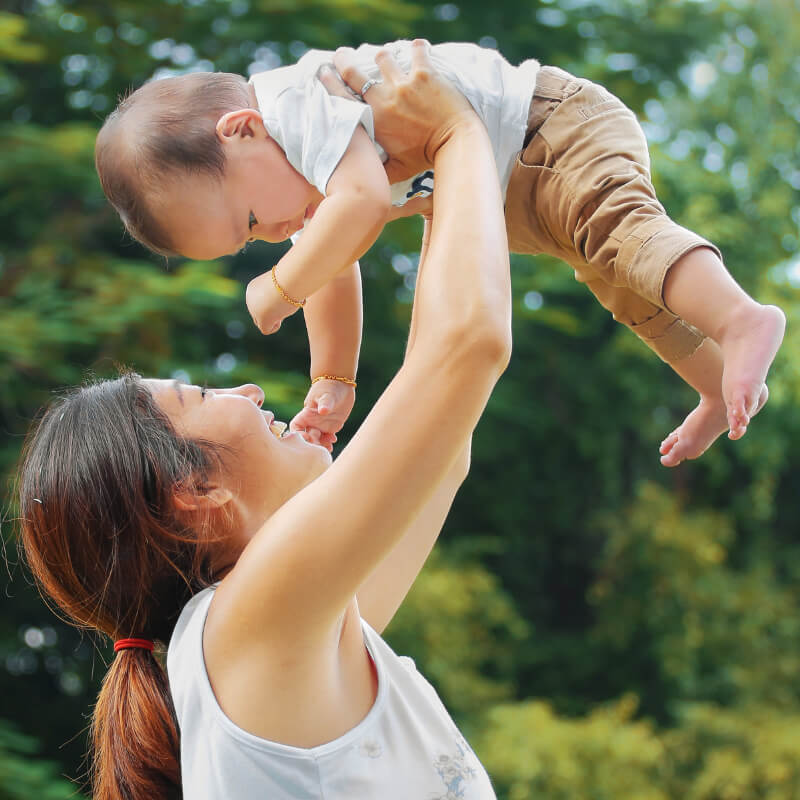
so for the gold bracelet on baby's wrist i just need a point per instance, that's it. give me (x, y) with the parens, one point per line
(290, 300)
(348, 381)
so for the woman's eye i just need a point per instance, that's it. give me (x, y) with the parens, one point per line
(203, 392)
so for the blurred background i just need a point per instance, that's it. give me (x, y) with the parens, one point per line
(600, 626)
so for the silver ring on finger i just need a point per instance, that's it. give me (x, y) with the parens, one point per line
(368, 85)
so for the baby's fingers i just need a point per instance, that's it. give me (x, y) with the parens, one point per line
(327, 440)
(325, 403)
(303, 419)
(316, 436)
(311, 418)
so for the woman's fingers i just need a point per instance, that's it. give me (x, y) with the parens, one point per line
(390, 69)
(344, 59)
(333, 83)
(345, 62)
(413, 112)
(420, 56)
(391, 72)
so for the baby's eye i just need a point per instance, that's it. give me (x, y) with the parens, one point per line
(252, 221)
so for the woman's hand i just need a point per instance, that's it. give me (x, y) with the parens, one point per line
(415, 113)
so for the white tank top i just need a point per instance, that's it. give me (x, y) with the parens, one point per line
(406, 748)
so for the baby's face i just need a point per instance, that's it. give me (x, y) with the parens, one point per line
(260, 196)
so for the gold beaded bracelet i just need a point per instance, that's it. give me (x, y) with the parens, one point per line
(295, 303)
(348, 381)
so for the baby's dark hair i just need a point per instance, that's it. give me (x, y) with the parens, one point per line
(165, 127)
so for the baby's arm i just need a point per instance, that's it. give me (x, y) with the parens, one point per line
(345, 225)
(333, 320)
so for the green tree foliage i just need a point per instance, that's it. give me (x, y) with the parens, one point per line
(746, 753)
(467, 646)
(667, 597)
(716, 754)
(532, 753)
(601, 627)
(22, 776)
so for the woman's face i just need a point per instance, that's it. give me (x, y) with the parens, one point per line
(264, 468)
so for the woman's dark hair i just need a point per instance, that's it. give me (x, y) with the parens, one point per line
(165, 127)
(104, 540)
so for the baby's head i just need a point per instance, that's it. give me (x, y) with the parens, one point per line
(159, 134)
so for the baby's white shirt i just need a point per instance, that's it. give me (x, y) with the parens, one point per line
(315, 128)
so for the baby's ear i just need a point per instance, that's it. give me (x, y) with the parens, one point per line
(242, 123)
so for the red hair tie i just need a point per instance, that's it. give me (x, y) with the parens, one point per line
(133, 644)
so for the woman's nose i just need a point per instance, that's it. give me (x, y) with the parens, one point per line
(251, 392)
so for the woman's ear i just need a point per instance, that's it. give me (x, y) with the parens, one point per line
(205, 498)
(240, 124)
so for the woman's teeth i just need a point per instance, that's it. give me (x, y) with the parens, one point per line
(277, 427)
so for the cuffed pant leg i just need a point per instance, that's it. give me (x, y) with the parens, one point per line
(667, 335)
(581, 191)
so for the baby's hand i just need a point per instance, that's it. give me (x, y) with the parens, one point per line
(326, 407)
(266, 305)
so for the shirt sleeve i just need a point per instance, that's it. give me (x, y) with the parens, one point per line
(312, 127)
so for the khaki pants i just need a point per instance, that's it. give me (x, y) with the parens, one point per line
(581, 191)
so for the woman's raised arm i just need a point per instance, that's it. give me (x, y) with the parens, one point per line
(307, 562)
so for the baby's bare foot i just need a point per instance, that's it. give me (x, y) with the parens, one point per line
(696, 434)
(699, 430)
(749, 341)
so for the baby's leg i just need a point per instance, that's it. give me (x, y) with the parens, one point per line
(699, 289)
(581, 191)
(698, 360)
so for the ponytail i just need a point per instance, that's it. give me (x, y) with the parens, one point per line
(135, 732)
(103, 539)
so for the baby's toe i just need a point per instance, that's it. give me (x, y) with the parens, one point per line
(738, 426)
(673, 450)
(668, 443)
(671, 459)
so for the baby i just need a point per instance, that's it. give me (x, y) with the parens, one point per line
(203, 163)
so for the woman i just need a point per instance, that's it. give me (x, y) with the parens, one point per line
(159, 511)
